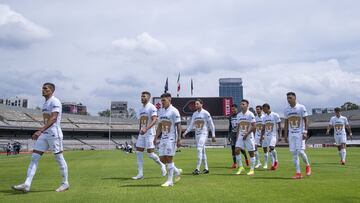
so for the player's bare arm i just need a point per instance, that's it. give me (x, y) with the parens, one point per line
(179, 131)
(151, 124)
(306, 125)
(286, 130)
(49, 121)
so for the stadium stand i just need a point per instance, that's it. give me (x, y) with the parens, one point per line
(92, 132)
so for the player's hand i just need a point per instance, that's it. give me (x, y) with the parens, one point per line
(183, 135)
(213, 139)
(305, 136)
(244, 137)
(143, 131)
(327, 132)
(178, 144)
(155, 141)
(350, 136)
(36, 135)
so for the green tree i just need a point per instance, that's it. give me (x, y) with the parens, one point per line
(105, 113)
(347, 106)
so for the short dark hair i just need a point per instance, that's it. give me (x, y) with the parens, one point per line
(200, 101)
(258, 106)
(337, 109)
(165, 95)
(146, 92)
(52, 86)
(244, 100)
(234, 105)
(291, 94)
(266, 105)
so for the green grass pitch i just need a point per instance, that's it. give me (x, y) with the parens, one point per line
(105, 176)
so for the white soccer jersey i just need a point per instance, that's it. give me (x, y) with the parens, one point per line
(271, 122)
(244, 122)
(53, 105)
(169, 118)
(259, 123)
(202, 122)
(145, 113)
(295, 117)
(339, 124)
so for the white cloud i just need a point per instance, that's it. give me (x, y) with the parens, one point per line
(17, 31)
(144, 43)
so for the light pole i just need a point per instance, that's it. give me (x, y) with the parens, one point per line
(109, 128)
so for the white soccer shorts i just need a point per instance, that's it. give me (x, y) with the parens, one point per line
(46, 142)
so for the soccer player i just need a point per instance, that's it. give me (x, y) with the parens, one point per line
(202, 122)
(245, 131)
(170, 129)
(259, 120)
(270, 132)
(49, 136)
(233, 135)
(148, 119)
(339, 123)
(296, 125)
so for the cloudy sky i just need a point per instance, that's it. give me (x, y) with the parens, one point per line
(98, 51)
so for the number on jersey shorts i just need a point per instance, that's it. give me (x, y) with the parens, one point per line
(167, 147)
(146, 141)
(340, 139)
(296, 142)
(269, 141)
(201, 140)
(46, 142)
(248, 144)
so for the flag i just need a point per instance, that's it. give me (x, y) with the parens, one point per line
(192, 87)
(178, 85)
(166, 87)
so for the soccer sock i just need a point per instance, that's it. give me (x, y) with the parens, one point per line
(252, 163)
(155, 157)
(199, 154)
(204, 159)
(170, 167)
(63, 167)
(176, 170)
(272, 158)
(296, 161)
(32, 168)
(340, 154)
(274, 152)
(140, 162)
(233, 154)
(304, 157)
(266, 155)
(238, 160)
(343, 154)
(257, 157)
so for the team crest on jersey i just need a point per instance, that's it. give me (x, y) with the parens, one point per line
(294, 121)
(166, 126)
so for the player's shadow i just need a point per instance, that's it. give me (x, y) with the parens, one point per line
(125, 178)
(13, 192)
(144, 185)
(273, 178)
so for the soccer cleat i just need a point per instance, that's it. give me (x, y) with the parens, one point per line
(234, 165)
(63, 188)
(276, 164)
(251, 172)
(138, 177)
(205, 171)
(247, 162)
(265, 167)
(178, 176)
(196, 172)
(241, 169)
(297, 176)
(163, 170)
(21, 187)
(167, 184)
(308, 170)
(342, 162)
(258, 165)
